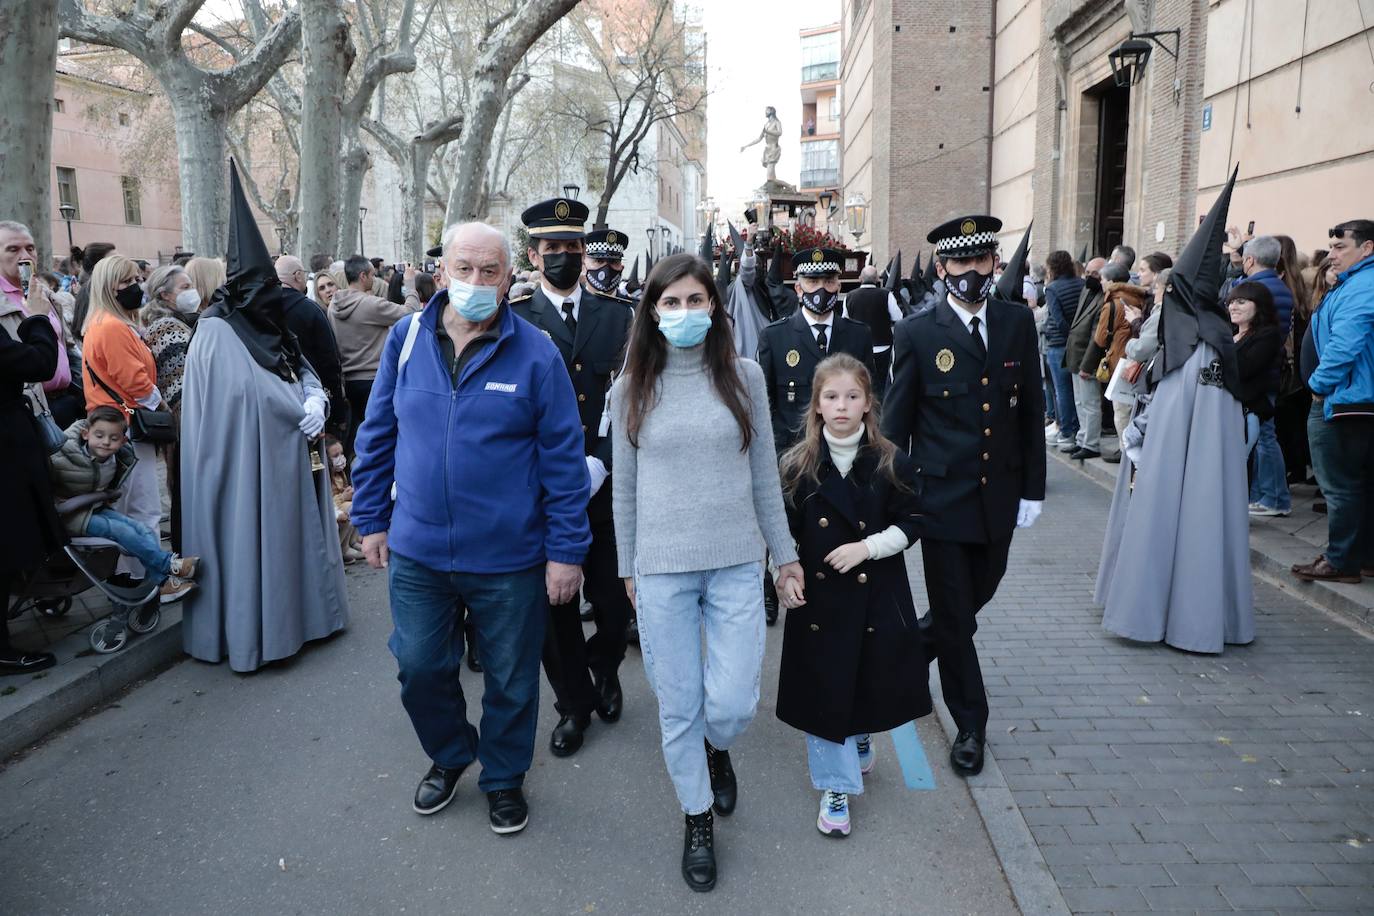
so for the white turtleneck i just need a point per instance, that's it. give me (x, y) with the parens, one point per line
(843, 450)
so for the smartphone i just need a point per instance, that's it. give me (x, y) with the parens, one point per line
(1251, 230)
(429, 267)
(25, 275)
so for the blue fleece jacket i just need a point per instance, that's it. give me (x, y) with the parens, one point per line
(1343, 331)
(1061, 297)
(489, 476)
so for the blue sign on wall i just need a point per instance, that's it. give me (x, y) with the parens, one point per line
(1207, 116)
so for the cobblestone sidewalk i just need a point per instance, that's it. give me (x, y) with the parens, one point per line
(1155, 780)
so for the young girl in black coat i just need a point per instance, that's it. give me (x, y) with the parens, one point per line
(852, 657)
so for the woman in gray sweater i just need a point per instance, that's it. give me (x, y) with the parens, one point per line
(696, 497)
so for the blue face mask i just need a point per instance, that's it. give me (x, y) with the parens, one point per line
(685, 327)
(475, 303)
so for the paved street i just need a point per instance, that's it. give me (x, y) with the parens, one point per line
(1152, 780)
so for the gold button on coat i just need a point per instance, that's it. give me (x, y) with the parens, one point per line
(577, 367)
(987, 457)
(987, 407)
(824, 523)
(815, 627)
(987, 432)
(820, 574)
(870, 629)
(983, 481)
(985, 381)
(583, 397)
(862, 526)
(863, 578)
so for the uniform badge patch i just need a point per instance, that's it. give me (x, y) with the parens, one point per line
(1013, 400)
(793, 357)
(944, 360)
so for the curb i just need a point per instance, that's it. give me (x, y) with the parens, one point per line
(1271, 555)
(1032, 885)
(81, 680)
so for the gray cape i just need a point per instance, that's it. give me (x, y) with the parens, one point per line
(747, 320)
(1176, 558)
(271, 575)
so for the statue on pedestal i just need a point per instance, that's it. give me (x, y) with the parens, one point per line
(770, 136)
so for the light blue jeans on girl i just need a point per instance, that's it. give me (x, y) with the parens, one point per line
(135, 539)
(708, 693)
(835, 766)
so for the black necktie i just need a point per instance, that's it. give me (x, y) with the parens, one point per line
(568, 318)
(977, 338)
(820, 338)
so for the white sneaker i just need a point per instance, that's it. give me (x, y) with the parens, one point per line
(834, 817)
(1262, 511)
(1052, 432)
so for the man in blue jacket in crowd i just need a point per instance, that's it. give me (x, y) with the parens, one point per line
(471, 487)
(1338, 362)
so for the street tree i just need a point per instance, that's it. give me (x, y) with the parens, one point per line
(203, 95)
(648, 67)
(505, 41)
(28, 58)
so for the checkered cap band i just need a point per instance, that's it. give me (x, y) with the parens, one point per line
(605, 250)
(956, 242)
(810, 268)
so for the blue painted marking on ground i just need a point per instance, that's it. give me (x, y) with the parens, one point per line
(912, 757)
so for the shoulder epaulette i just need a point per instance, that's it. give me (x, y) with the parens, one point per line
(524, 298)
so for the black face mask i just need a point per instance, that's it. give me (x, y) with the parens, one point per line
(562, 269)
(820, 302)
(130, 298)
(969, 286)
(604, 279)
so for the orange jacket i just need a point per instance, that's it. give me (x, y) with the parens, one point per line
(121, 359)
(1118, 295)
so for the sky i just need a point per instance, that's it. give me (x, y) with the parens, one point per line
(754, 60)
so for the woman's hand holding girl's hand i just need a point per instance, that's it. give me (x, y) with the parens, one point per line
(848, 556)
(790, 593)
(791, 582)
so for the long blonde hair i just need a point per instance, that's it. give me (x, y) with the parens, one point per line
(109, 273)
(207, 275)
(803, 461)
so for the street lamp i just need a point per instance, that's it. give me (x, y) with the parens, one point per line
(667, 235)
(281, 241)
(362, 212)
(856, 215)
(68, 214)
(571, 190)
(652, 233)
(1129, 59)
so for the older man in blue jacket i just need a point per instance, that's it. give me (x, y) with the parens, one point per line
(471, 486)
(1340, 428)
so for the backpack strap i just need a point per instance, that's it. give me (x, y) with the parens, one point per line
(412, 331)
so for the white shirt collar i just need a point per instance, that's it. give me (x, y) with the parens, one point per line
(558, 299)
(966, 316)
(828, 320)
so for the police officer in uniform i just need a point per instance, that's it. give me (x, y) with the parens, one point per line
(792, 347)
(966, 401)
(590, 329)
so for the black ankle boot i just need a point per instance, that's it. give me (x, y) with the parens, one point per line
(770, 600)
(723, 784)
(699, 852)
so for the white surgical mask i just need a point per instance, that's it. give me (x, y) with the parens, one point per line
(475, 303)
(339, 462)
(188, 300)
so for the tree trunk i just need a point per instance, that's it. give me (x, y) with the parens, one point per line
(202, 145)
(327, 56)
(504, 47)
(28, 57)
(353, 168)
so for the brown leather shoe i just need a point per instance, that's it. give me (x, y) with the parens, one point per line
(1320, 570)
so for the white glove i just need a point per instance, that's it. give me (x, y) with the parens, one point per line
(596, 470)
(312, 424)
(1028, 512)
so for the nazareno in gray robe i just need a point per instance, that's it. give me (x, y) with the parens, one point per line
(271, 575)
(747, 320)
(1176, 559)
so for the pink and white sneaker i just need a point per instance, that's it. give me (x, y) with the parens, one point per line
(833, 820)
(867, 758)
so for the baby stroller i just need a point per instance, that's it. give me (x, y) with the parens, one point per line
(83, 563)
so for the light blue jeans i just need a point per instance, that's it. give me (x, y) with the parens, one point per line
(835, 766)
(135, 539)
(708, 692)
(1269, 484)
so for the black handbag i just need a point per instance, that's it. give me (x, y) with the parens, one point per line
(155, 426)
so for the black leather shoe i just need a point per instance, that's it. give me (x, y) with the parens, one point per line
(699, 852)
(568, 735)
(1082, 454)
(770, 600)
(723, 784)
(508, 811)
(610, 699)
(436, 790)
(632, 631)
(474, 664)
(14, 661)
(966, 754)
(925, 626)
(1114, 458)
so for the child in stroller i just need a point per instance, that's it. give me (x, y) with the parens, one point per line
(87, 474)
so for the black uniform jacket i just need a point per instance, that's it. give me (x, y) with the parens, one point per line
(789, 356)
(973, 427)
(852, 659)
(603, 329)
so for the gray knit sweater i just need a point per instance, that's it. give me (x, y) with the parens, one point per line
(687, 498)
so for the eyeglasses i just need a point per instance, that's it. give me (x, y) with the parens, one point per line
(1335, 233)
